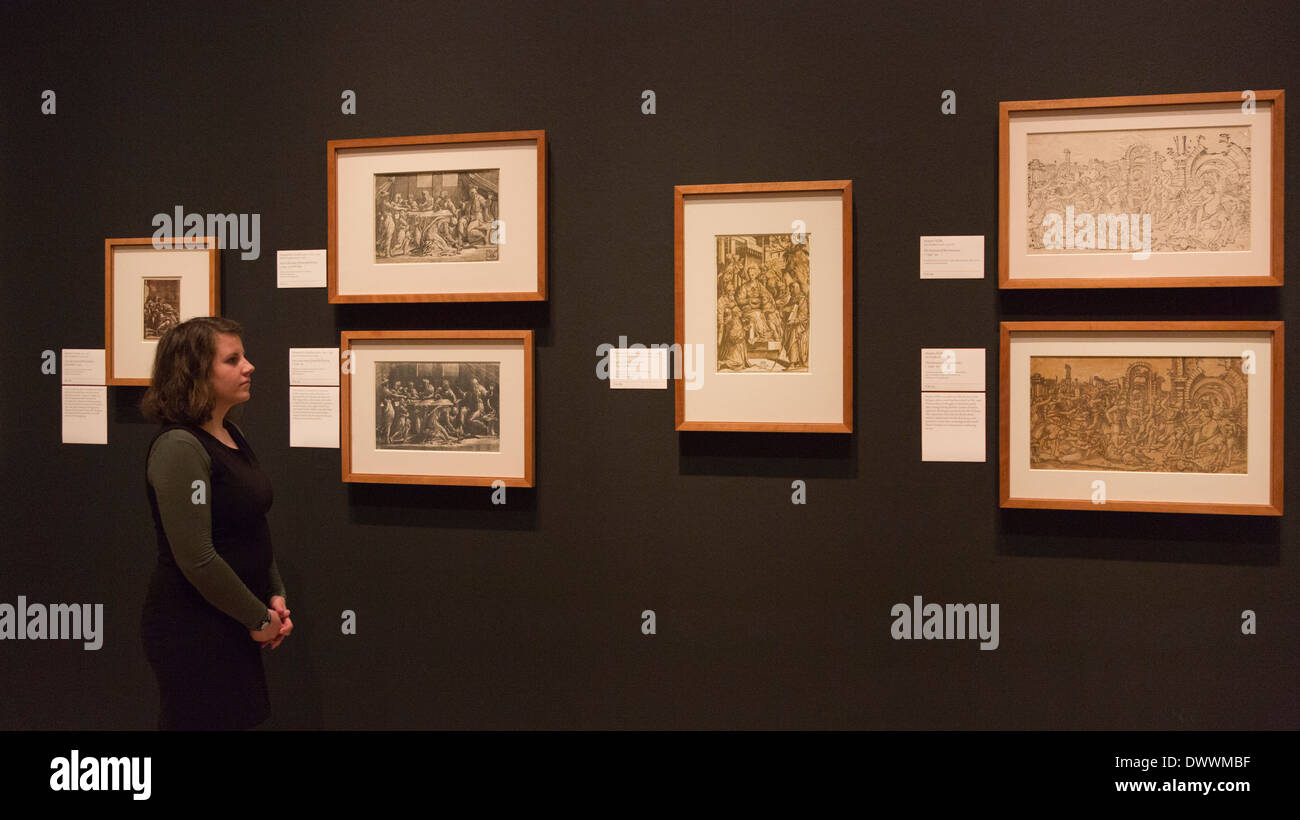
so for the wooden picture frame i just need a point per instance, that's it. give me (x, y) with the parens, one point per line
(438, 218)
(1169, 190)
(146, 293)
(1112, 437)
(400, 424)
(776, 357)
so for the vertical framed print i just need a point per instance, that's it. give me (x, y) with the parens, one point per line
(1142, 416)
(1173, 190)
(764, 306)
(442, 218)
(147, 291)
(437, 407)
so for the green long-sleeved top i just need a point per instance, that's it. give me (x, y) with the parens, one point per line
(177, 460)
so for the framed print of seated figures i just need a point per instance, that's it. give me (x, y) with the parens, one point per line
(147, 291)
(764, 307)
(1175, 190)
(446, 218)
(1142, 416)
(437, 407)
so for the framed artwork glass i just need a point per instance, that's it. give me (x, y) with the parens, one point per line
(147, 290)
(1174, 190)
(1142, 416)
(437, 407)
(445, 218)
(764, 306)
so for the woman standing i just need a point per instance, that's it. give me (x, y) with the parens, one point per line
(216, 597)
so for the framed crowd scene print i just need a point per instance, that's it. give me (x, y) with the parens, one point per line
(437, 407)
(445, 218)
(1150, 191)
(1142, 416)
(764, 316)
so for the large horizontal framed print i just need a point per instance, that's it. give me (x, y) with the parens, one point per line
(445, 218)
(1142, 416)
(1174, 190)
(764, 306)
(147, 290)
(437, 407)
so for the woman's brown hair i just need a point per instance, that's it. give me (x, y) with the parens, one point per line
(180, 391)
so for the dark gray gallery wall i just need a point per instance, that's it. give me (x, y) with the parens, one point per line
(769, 615)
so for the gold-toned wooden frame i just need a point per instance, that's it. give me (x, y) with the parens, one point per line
(680, 193)
(1275, 427)
(1086, 106)
(335, 147)
(346, 339)
(214, 297)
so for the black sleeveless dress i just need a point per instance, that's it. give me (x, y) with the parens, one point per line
(209, 669)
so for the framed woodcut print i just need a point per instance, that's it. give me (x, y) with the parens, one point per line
(1142, 416)
(1175, 190)
(437, 407)
(147, 291)
(764, 307)
(446, 218)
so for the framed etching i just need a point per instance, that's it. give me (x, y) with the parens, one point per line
(437, 407)
(1142, 416)
(148, 290)
(447, 218)
(1174, 190)
(764, 306)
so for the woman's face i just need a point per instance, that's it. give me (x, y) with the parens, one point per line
(231, 372)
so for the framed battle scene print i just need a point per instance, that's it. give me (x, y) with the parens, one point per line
(764, 306)
(148, 290)
(446, 218)
(1142, 416)
(437, 407)
(1174, 190)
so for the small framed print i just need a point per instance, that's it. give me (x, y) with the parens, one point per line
(446, 218)
(437, 407)
(148, 290)
(1174, 190)
(1142, 416)
(764, 306)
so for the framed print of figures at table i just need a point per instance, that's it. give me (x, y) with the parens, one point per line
(147, 291)
(437, 407)
(444, 218)
(1174, 190)
(1142, 416)
(764, 307)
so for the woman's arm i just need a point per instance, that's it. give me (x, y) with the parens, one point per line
(176, 462)
(277, 584)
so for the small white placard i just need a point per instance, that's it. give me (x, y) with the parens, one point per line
(85, 414)
(952, 257)
(638, 369)
(83, 366)
(952, 427)
(314, 417)
(952, 368)
(314, 365)
(300, 269)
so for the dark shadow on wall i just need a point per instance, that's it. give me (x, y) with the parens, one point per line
(1138, 536)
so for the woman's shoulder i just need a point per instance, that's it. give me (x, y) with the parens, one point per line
(178, 444)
